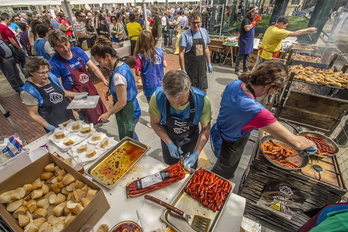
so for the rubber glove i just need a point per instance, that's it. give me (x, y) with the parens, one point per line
(256, 20)
(210, 68)
(191, 160)
(184, 71)
(50, 128)
(309, 151)
(174, 151)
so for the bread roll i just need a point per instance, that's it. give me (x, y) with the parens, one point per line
(68, 142)
(27, 188)
(78, 184)
(82, 148)
(31, 205)
(14, 205)
(37, 193)
(21, 210)
(40, 212)
(59, 134)
(45, 189)
(96, 137)
(5, 197)
(90, 153)
(37, 183)
(66, 123)
(104, 143)
(68, 178)
(23, 220)
(43, 203)
(76, 126)
(46, 175)
(85, 130)
(60, 198)
(58, 210)
(50, 167)
(18, 193)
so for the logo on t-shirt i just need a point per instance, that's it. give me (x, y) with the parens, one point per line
(158, 59)
(84, 78)
(56, 97)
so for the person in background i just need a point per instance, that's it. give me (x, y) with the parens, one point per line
(8, 66)
(246, 38)
(80, 28)
(68, 26)
(42, 46)
(183, 22)
(171, 22)
(43, 95)
(138, 19)
(6, 33)
(230, 133)
(24, 37)
(13, 25)
(24, 17)
(117, 29)
(194, 50)
(33, 35)
(53, 22)
(91, 31)
(272, 39)
(122, 87)
(164, 20)
(69, 65)
(101, 26)
(47, 23)
(149, 63)
(91, 17)
(156, 27)
(176, 110)
(134, 30)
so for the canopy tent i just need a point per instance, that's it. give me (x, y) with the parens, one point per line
(82, 2)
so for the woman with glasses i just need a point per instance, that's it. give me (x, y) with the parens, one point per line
(240, 113)
(43, 95)
(116, 28)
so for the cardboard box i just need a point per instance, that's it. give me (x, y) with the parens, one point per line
(89, 215)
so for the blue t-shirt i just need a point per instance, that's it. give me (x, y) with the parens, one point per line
(186, 38)
(60, 70)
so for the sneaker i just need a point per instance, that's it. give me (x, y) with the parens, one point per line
(148, 125)
(104, 122)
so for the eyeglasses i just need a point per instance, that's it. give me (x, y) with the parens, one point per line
(195, 22)
(43, 73)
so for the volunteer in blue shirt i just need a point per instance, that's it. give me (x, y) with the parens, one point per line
(176, 110)
(43, 95)
(194, 54)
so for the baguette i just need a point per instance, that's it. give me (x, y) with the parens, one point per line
(21, 210)
(23, 220)
(104, 143)
(76, 126)
(68, 178)
(39, 221)
(31, 205)
(40, 212)
(18, 193)
(14, 205)
(37, 184)
(37, 193)
(50, 167)
(59, 134)
(46, 175)
(6, 197)
(43, 203)
(27, 188)
(82, 148)
(85, 130)
(90, 153)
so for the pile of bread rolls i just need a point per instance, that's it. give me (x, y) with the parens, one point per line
(50, 203)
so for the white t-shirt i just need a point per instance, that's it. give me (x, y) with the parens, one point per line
(119, 79)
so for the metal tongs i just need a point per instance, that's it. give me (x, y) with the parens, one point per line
(182, 160)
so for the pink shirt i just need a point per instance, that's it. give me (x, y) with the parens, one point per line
(262, 119)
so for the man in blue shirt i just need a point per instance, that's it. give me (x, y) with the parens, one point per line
(194, 50)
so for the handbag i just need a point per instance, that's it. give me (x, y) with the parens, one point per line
(18, 55)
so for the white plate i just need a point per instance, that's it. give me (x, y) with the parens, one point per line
(84, 158)
(112, 142)
(69, 126)
(97, 141)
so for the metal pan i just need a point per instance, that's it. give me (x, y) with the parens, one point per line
(301, 161)
(326, 139)
(191, 206)
(123, 161)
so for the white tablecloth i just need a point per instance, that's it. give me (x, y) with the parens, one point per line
(122, 208)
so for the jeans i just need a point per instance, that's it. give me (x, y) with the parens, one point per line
(135, 136)
(170, 33)
(11, 72)
(245, 62)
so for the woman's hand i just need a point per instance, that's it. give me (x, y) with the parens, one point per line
(104, 117)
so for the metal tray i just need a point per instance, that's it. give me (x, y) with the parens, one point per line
(326, 139)
(304, 159)
(124, 143)
(191, 206)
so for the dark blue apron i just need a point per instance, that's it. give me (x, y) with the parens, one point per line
(246, 42)
(53, 108)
